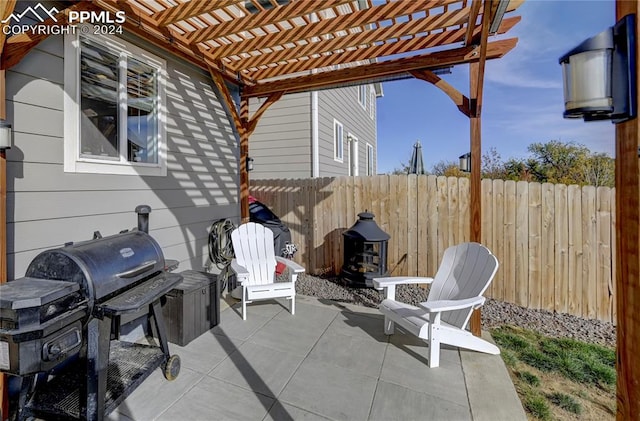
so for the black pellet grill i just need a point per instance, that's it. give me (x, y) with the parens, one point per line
(60, 327)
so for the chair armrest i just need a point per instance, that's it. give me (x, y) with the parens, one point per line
(388, 285)
(296, 268)
(241, 271)
(439, 306)
(379, 283)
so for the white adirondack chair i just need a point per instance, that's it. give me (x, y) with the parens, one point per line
(255, 266)
(456, 290)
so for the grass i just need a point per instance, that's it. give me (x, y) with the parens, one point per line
(544, 369)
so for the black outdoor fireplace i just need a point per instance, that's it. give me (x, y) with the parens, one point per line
(365, 252)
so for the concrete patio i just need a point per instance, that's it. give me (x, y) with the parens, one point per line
(329, 361)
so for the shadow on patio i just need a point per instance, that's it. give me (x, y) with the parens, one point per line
(329, 361)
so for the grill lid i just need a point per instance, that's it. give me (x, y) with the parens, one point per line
(102, 267)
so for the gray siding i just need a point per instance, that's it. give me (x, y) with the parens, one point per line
(48, 207)
(281, 143)
(342, 104)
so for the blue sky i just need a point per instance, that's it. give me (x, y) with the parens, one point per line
(522, 102)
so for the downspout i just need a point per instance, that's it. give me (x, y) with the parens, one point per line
(315, 147)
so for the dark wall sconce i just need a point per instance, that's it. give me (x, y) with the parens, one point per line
(465, 162)
(5, 135)
(599, 75)
(249, 163)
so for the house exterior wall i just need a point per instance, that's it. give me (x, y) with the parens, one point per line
(342, 105)
(47, 207)
(281, 143)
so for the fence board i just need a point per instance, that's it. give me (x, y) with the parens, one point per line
(432, 231)
(555, 243)
(443, 220)
(547, 263)
(522, 243)
(612, 283)
(498, 237)
(574, 204)
(464, 219)
(535, 245)
(590, 252)
(604, 259)
(422, 223)
(562, 249)
(510, 240)
(485, 230)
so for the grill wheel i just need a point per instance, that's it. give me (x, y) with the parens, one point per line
(172, 368)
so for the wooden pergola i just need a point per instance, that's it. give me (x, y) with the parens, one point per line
(273, 47)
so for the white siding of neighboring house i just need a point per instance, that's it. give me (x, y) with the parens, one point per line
(48, 207)
(281, 143)
(342, 105)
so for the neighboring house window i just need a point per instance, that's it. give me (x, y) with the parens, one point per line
(372, 103)
(338, 141)
(114, 108)
(362, 96)
(369, 159)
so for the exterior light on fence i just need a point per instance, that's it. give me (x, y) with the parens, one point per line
(599, 75)
(249, 163)
(5, 134)
(465, 162)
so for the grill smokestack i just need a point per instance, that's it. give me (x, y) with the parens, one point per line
(143, 212)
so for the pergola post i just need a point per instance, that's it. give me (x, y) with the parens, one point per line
(628, 253)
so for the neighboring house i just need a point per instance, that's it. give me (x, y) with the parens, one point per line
(317, 134)
(74, 170)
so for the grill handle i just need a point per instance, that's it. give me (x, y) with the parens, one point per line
(137, 270)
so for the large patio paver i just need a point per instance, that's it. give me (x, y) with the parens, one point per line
(330, 391)
(258, 368)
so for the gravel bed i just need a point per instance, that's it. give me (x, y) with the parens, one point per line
(494, 313)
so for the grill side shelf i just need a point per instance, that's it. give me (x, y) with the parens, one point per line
(142, 295)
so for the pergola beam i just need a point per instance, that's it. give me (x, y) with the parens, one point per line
(264, 18)
(461, 101)
(372, 52)
(378, 71)
(628, 251)
(327, 26)
(413, 27)
(188, 10)
(6, 8)
(471, 23)
(476, 82)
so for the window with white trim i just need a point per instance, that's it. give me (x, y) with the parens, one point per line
(362, 95)
(372, 103)
(338, 141)
(114, 115)
(369, 159)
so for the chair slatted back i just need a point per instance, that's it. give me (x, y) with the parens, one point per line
(466, 271)
(253, 247)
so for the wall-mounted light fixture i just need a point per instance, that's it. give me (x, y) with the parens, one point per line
(5, 134)
(465, 162)
(599, 75)
(249, 163)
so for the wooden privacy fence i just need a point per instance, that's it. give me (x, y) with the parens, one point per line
(555, 243)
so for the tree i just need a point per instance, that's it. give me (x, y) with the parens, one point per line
(448, 169)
